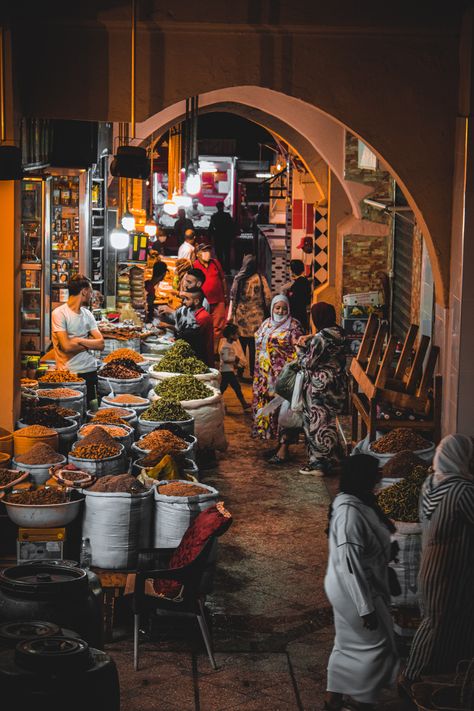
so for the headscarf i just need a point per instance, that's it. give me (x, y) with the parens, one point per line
(451, 464)
(248, 269)
(270, 327)
(323, 315)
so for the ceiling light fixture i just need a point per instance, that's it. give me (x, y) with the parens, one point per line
(128, 221)
(119, 238)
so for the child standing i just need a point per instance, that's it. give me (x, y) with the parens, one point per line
(229, 360)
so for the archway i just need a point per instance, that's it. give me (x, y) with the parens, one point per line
(313, 132)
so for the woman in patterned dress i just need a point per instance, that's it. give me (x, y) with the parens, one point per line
(446, 633)
(275, 347)
(322, 358)
(250, 298)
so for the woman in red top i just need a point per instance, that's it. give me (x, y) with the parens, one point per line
(214, 288)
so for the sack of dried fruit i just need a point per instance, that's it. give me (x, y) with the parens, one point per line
(401, 439)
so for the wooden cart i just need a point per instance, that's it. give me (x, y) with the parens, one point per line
(409, 384)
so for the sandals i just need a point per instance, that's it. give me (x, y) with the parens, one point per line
(278, 460)
(308, 469)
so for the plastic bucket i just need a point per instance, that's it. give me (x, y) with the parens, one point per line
(74, 402)
(146, 426)
(126, 440)
(131, 386)
(39, 473)
(6, 441)
(24, 442)
(67, 435)
(100, 467)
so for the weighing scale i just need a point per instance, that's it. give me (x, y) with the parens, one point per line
(40, 544)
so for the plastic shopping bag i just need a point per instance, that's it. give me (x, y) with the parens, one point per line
(297, 397)
(288, 418)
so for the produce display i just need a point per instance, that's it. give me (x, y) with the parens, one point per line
(35, 431)
(398, 440)
(38, 497)
(127, 363)
(40, 453)
(401, 464)
(108, 418)
(70, 473)
(47, 415)
(112, 430)
(128, 399)
(118, 371)
(183, 387)
(400, 501)
(59, 393)
(179, 488)
(8, 475)
(181, 359)
(95, 451)
(127, 353)
(28, 383)
(60, 376)
(117, 412)
(163, 439)
(123, 483)
(64, 411)
(164, 410)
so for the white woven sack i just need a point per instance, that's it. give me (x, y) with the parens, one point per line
(208, 416)
(408, 537)
(213, 378)
(174, 514)
(117, 525)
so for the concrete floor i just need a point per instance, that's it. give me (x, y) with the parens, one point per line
(271, 622)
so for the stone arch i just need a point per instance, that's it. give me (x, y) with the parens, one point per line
(313, 132)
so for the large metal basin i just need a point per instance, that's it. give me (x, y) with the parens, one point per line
(49, 516)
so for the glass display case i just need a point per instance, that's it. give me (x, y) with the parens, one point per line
(32, 265)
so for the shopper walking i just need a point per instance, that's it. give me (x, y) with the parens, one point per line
(214, 288)
(364, 658)
(446, 578)
(322, 358)
(250, 299)
(229, 361)
(222, 232)
(74, 333)
(159, 270)
(298, 292)
(275, 343)
(182, 224)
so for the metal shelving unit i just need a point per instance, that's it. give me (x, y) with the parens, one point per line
(99, 223)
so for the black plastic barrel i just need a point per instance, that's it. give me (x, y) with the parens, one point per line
(58, 673)
(54, 593)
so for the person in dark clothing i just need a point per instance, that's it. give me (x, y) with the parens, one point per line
(222, 232)
(192, 323)
(299, 294)
(182, 224)
(159, 271)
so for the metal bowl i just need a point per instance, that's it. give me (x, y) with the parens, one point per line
(49, 516)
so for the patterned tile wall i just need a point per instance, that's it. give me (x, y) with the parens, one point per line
(321, 241)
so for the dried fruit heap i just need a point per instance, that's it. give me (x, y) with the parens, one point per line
(400, 501)
(183, 387)
(127, 353)
(60, 376)
(38, 497)
(401, 464)
(97, 445)
(7, 476)
(399, 440)
(166, 411)
(119, 371)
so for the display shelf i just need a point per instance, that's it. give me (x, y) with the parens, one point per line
(29, 288)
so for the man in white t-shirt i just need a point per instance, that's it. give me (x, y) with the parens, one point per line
(186, 250)
(74, 334)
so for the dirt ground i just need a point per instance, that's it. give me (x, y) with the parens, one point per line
(271, 622)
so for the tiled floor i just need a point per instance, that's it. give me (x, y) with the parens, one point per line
(272, 624)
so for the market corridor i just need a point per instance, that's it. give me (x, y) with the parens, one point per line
(272, 624)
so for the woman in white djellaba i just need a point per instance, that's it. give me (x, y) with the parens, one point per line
(364, 658)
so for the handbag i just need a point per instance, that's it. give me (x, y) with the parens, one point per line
(285, 383)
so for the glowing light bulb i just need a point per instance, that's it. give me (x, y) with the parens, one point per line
(170, 207)
(128, 221)
(151, 227)
(193, 183)
(119, 238)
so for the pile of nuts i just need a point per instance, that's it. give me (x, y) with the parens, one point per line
(124, 353)
(118, 371)
(398, 440)
(95, 451)
(38, 497)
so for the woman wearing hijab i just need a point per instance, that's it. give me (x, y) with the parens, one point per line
(364, 659)
(322, 358)
(275, 343)
(250, 298)
(446, 578)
